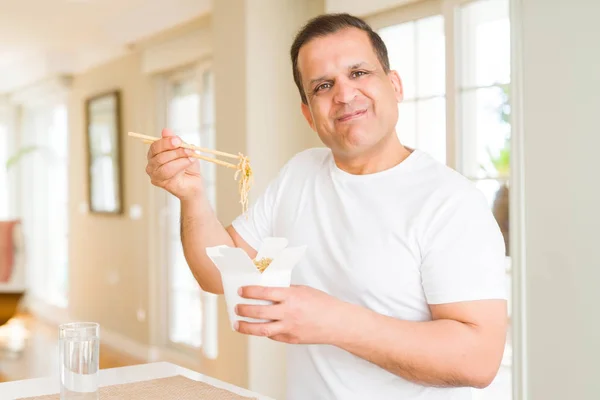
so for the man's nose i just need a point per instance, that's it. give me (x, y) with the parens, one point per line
(345, 91)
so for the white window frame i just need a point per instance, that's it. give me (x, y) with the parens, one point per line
(159, 304)
(447, 9)
(454, 147)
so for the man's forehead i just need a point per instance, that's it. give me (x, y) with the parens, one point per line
(343, 49)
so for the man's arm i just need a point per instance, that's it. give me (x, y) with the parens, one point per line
(200, 229)
(461, 346)
(170, 167)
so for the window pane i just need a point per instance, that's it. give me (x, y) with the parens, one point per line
(430, 57)
(174, 211)
(58, 201)
(185, 321)
(484, 74)
(485, 43)
(208, 135)
(407, 124)
(417, 50)
(400, 42)
(185, 117)
(180, 275)
(486, 132)
(422, 125)
(208, 109)
(45, 215)
(185, 308)
(183, 88)
(431, 127)
(3, 173)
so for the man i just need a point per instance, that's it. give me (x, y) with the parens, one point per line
(400, 295)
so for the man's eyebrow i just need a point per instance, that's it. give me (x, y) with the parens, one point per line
(316, 80)
(358, 65)
(351, 67)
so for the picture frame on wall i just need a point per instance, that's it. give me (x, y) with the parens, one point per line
(103, 134)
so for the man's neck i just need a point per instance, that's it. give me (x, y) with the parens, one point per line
(387, 154)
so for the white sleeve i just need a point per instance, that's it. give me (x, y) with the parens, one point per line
(464, 252)
(258, 224)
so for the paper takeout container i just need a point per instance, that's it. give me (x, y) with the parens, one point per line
(237, 270)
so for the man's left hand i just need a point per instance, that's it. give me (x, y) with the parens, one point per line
(299, 314)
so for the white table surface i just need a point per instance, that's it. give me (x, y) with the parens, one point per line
(115, 376)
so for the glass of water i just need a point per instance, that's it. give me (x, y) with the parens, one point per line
(79, 356)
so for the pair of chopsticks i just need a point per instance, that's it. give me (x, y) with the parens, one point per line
(151, 139)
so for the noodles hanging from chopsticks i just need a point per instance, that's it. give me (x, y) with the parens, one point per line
(244, 171)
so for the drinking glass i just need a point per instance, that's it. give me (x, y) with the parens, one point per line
(79, 353)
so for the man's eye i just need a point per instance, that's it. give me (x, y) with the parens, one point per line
(356, 74)
(322, 87)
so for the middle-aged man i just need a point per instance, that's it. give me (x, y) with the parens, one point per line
(400, 295)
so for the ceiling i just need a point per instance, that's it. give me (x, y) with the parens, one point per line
(42, 37)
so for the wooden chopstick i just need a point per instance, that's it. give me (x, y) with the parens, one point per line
(212, 160)
(187, 146)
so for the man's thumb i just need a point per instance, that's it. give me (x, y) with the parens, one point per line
(167, 132)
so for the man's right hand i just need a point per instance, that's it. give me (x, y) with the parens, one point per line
(172, 168)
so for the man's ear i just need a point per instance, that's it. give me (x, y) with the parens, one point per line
(397, 83)
(308, 115)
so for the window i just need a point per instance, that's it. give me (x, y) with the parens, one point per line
(44, 198)
(4, 154)
(58, 208)
(190, 114)
(483, 82)
(458, 111)
(416, 51)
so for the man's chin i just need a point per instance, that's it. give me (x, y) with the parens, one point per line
(353, 150)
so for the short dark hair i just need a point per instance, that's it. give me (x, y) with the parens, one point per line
(327, 24)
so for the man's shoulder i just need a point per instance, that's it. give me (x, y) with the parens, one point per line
(307, 160)
(444, 182)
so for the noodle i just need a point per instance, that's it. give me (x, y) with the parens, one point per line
(245, 171)
(262, 264)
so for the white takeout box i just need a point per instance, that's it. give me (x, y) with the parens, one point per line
(237, 270)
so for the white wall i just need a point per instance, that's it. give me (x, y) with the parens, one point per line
(561, 113)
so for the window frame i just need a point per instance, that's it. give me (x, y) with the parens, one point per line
(449, 10)
(35, 212)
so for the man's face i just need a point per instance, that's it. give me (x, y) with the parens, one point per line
(352, 102)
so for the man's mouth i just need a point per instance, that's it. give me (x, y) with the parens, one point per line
(352, 115)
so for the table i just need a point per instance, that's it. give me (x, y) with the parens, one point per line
(114, 376)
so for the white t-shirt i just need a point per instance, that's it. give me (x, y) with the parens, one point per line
(393, 241)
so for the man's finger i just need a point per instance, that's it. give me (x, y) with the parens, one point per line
(271, 312)
(164, 144)
(169, 170)
(167, 156)
(276, 294)
(167, 132)
(266, 329)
